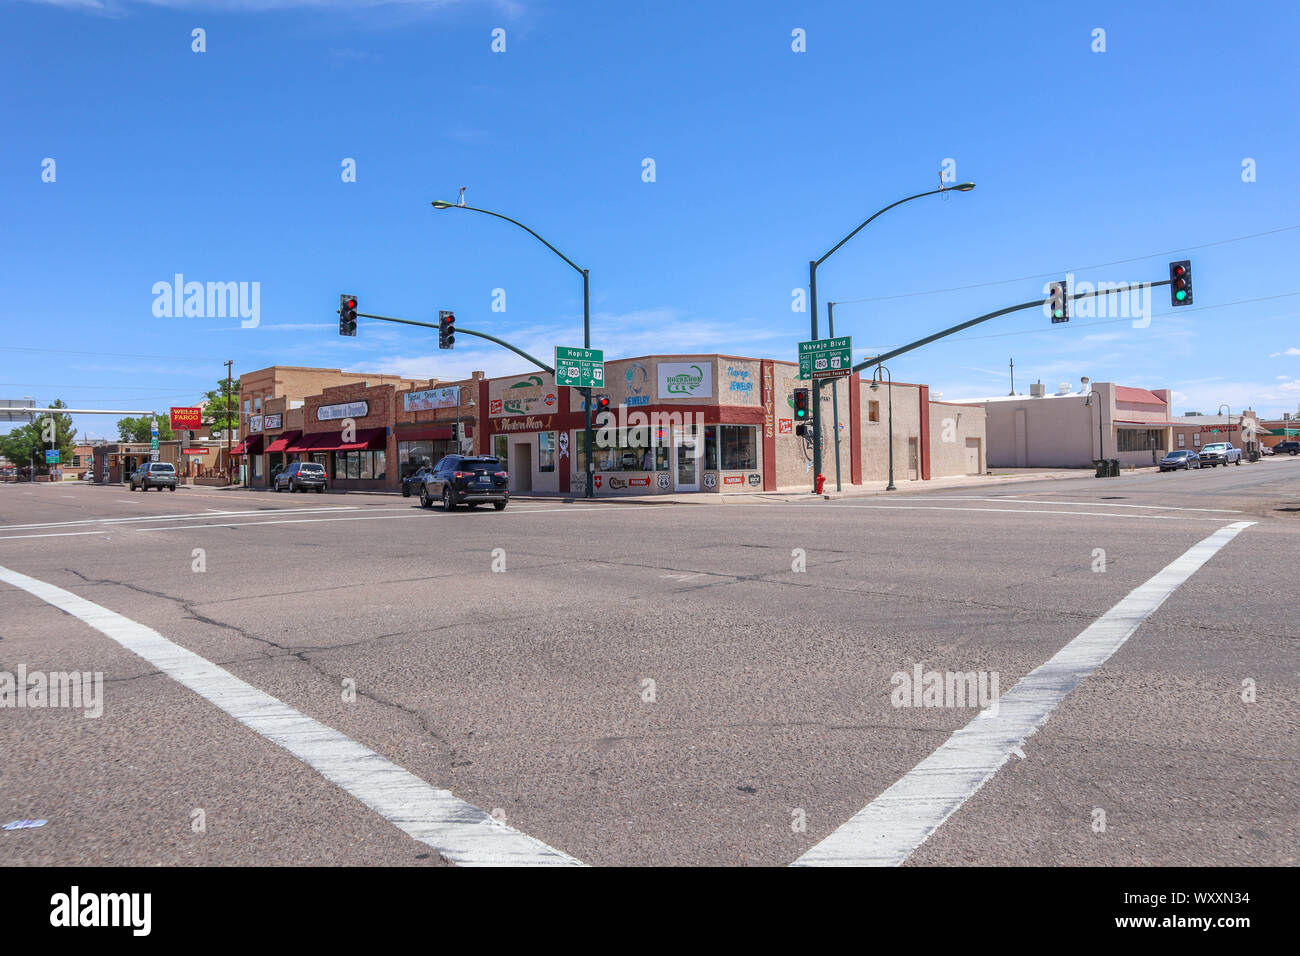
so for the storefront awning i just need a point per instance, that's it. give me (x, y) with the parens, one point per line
(425, 433)
(253, 446)
(365, 438)
(282, 441)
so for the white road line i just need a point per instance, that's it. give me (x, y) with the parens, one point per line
(175, 517)
(890, 828)
(1092, 504)
(1010, 511)
(63, 534)
(459, 831)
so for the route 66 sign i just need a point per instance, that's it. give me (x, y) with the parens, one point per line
(710, 480)
(663, 480)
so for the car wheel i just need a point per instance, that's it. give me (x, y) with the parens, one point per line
(499, 505)
(1238, 461)
(447, 503)
(406, 490)
(171, 487)
(425, 500)
(320, 490)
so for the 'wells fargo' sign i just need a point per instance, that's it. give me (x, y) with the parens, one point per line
(187, 417)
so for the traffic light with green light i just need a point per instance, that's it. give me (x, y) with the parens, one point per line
(802, 409)
(1180, 282)
(1058, 299)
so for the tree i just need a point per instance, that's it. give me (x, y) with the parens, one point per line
(215, 411)
(27, 444)
(139, 430)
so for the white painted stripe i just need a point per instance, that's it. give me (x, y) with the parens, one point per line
(973, 508)
(60, 534)
(174, 517)
(890, 828)
(459, 831)
(1013, 499)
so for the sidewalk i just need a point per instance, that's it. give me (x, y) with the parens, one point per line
(997, 478)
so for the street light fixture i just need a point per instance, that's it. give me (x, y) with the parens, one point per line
(875, 386)
(812, 294)
(1101, 445)
(586, 319)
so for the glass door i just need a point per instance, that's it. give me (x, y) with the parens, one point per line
(687, 448)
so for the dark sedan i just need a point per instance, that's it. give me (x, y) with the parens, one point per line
(1180, 459)
(411, 483)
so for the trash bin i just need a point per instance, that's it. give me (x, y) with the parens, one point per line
(1254, 456)
(1113, 468)
(1103, 468)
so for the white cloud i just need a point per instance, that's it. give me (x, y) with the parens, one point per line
(1291, 351)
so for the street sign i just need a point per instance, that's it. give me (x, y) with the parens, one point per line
(51, 456)
(195, 451)
(826, 358)
(580, 368)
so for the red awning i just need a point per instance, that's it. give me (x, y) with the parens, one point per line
(251, 446)
(333, 441)
(282, 441)
(238, 449)
(425, 433)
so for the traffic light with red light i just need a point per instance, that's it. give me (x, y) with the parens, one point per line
(1180, 282)
(602, 403)
(446, 330)
(1058, 302)
(347, 315)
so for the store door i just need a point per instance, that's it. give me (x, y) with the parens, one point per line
(686, 458)
(521, 467)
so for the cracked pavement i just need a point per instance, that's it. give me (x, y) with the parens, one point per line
(655, 684)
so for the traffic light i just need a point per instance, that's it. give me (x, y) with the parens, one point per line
(1180, 282)
(1058, 298)
(802, 409)
(446, 330)
(347, 315)
(602, 403)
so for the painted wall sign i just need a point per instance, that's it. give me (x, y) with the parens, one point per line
(638, 376)
(685, 379)
(710, 480)
(329, 413)
(426, 400)
(786, 426)
(768, 411)
(633, 400)
(755, 479)
(272, 421)
(254, 423)
(733, 479)
(525, 423)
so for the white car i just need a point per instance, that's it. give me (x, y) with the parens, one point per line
(1220, 453)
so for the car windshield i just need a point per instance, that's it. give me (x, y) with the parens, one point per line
(312, 467)
(1179, 454)
(1214, 447)
(479, 466)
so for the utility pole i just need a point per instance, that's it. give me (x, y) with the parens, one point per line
(1013, 377)
(230, 467)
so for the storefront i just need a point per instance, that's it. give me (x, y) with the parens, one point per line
(426, 421)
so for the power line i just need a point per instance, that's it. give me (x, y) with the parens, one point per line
(1041, 275)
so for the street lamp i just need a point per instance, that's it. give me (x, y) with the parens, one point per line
(586, 315)
(1087, 402)
(1221, 407)
(812, 294)
(875, 386)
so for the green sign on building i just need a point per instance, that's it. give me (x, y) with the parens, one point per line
(580, 368)
(826, 358)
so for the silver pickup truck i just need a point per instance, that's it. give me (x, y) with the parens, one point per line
(1220, 453)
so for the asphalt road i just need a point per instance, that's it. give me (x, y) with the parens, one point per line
(624, 684)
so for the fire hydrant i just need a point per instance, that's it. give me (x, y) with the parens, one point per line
(821, 483)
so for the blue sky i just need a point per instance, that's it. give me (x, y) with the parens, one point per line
(226, 166)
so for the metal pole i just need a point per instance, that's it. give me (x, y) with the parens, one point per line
(230, 469)
(816, 382)
(891, 486)
(835, 395)
(589, 438)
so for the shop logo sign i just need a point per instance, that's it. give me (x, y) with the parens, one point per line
(598, 481)
(494, 407)
(637, 376)
(327, 413)
(734, 480)
(755, 479)
(634, 400)
(685, 380)
(786, 426)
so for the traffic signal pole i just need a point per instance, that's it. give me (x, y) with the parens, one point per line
(1035, 304)
(460, 330)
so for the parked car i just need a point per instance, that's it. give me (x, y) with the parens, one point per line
(1181, 458)
(301, 476)
(154, 474)
(412, 482)
(1287, 448)
(465, 479)
(1220, 453)
(1266, 450)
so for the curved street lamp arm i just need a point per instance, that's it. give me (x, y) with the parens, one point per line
(576, 268)
(900, 202)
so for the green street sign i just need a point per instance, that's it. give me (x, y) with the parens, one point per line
(580, 368)
(826, 358)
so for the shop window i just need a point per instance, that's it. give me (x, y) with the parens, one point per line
(873, 411)
(501, 447)
(730, 448)
(1140, 439)
(359, 465)
(257, 404)
(546, 451)
(414, 454)
(626, 449)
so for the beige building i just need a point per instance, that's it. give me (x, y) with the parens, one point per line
(1071, 428)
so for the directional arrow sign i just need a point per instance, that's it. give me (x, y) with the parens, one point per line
(580, 368)
(826, 358)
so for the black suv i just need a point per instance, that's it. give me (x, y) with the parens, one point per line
(154, 474)
(462, 479)
(300, 476)
(1287, 448)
